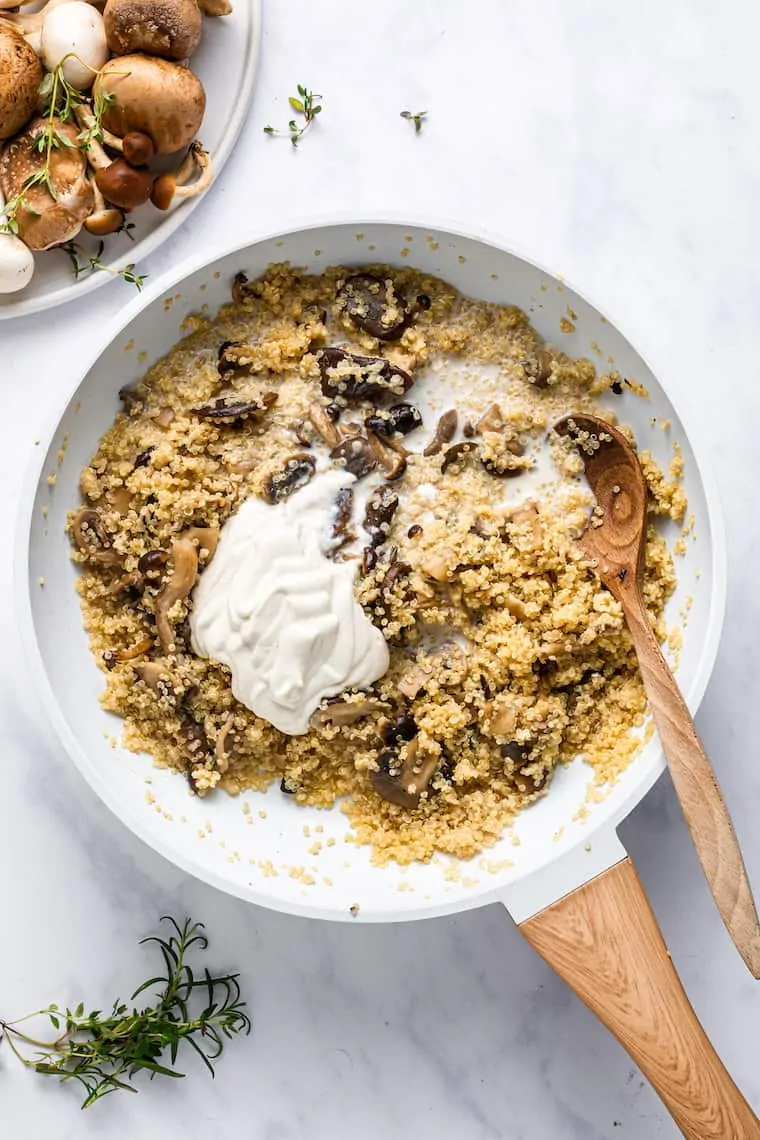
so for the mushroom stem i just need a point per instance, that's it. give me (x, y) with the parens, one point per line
(30, 23)
(122, 185)
(104, 219)
(176, 587)
(170, 188)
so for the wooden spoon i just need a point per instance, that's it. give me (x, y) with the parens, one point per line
(617, 549)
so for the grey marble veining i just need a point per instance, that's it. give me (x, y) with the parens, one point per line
(619, 145)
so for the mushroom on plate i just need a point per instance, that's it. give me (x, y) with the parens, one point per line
(154, 96)
(16, 260)
(20, 78)
(46, 219)
(170, 29)
(169, 189)
(73, 36)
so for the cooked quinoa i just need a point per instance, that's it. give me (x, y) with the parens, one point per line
(507, 656)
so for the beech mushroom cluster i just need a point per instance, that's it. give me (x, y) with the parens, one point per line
(90, 94)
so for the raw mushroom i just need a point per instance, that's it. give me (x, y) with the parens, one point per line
(104, 219)
(154, 96)
(20, 78)
(43, 220)
(175, 588)
(168, 189)
(16, 260)
(73, 35)
(167, 28)
(120, 183)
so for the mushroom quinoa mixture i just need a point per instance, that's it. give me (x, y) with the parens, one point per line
(459, 517)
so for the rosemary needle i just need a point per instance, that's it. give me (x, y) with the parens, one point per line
(103, 1052)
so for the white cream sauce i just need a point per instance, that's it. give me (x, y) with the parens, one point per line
(280, 614)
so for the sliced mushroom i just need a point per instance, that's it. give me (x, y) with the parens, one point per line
(456, 454)
(400, 419)
(296, 473)
(323, 425)
(379, 513)
(395, 571)
(444, 432)
(159, 98)
(342, 712)
(502, 456)
(352, 377)
(158, 678)
(207, 538)
(167, 28)
(524, 528)
(46, 219)
(152, 563)
(224, 744)
(404, 783)
(164, 418)
(92, 538)
(538, 367)
(392, 462)
(491, 420)
(341, 532)
(403, 727)
(114, 657)
(376, 306)
(176, 587)
(500, 716)
(226, 409)
(448, 656)
(239, 288)
(356, 455)
(231, 356)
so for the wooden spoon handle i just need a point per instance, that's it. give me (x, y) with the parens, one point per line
(604, 941)
(697, 788)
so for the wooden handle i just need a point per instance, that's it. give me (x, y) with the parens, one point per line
(604, 941)
(697, 787)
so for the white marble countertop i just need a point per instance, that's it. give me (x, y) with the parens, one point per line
(618, 144)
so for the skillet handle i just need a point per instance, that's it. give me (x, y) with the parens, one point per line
(604, 941)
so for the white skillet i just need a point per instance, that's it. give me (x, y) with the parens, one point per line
(562, 873)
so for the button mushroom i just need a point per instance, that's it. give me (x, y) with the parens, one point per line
(16, 259)
(167, 28)
(154, 96)
(355, 377)
(169, 189)
(73, 36)
(45, 220)
(20, 78)
(176, 587)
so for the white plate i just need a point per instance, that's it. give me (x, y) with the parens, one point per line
(256, 854)
(226, 64)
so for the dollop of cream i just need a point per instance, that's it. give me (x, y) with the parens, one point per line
(280, 614)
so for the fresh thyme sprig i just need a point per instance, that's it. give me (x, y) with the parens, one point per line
(416, 118)
(104, 1052)
(304, 104)
(92, 263)
(59, 101)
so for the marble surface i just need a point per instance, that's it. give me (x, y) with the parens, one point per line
(619, 144)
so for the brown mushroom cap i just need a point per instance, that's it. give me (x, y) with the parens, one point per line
(151, 95)
(44, 221)
(20, 78)
(167, 28)
(123, 185)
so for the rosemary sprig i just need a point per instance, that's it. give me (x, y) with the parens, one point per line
(304, 104)
(104, 1052)
(416, 118)
(91, 264)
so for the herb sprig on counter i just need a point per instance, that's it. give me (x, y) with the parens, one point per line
(415, 117)
(103, 1052)
(92, 263)
(304, 103)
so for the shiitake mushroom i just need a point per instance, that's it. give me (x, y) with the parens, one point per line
(352, 377)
